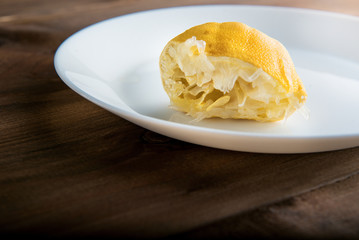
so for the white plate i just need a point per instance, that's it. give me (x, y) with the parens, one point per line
(114, 64)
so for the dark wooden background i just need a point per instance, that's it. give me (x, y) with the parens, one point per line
(70, 168)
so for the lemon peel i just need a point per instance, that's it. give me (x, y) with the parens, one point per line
(230, 70)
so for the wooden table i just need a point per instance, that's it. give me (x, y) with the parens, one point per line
(70, 168)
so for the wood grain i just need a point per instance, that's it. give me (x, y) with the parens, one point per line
(70, 168)
(330, 212)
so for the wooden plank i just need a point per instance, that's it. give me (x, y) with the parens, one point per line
(330, 212)
(148, 187)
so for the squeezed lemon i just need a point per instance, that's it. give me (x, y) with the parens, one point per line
(230, 70)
